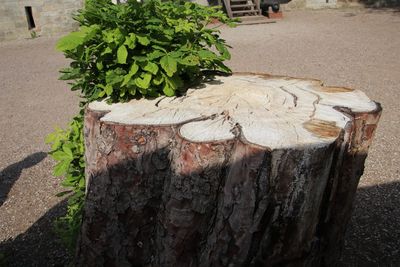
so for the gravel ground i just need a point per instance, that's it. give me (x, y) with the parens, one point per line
(356, 48)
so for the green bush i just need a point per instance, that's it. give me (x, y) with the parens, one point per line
(127, 51)
(142, 49)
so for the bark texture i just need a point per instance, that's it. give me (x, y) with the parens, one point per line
(159, 196)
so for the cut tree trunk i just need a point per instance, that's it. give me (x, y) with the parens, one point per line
(245, 170)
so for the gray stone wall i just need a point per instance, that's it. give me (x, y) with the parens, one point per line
(51, 17)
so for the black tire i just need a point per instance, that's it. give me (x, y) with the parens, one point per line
(276, 7)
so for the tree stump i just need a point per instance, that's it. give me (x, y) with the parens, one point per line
(245, 170)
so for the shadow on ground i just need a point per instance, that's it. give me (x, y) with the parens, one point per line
(38, 246)
(373, 236)
(10, 174)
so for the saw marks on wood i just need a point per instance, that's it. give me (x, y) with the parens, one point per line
(274, 112)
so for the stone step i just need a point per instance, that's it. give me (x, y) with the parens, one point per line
(244, 11)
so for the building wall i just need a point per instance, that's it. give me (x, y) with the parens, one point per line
(50, 16)
(311, 4)
(294, 4)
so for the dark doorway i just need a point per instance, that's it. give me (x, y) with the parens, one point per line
(29, 17)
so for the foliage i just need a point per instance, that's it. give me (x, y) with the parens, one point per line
(67, 147)
(142, 49)
(121, 52)
(33, 34)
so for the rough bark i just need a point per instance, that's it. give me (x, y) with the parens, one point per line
(249, 170)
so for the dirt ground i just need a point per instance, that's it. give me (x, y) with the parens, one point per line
(357, 48)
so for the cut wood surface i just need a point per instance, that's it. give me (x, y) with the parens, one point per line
(268, 111)
(245, 170)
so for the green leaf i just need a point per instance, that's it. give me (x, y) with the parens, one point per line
(155, 54)
(176, 54)
(82, 183)
(132, 91)
(99, 65)
(157, 47)
(169, 64)
(158, 80)
(108, 50)
(122, 91)
(211, 38)
(101, 94)
(222, 67)
(70, 74)
(168, 91)
(143, 82)
(68, 151)
(63, 193)
(154, 21)
(60, 156)
(91, 31)
(122, 54)
(70, 180)
(185, 48)
(140, 58)
(71, 41)
(114, 76)
(134, 68)
(174, 82)
(206, 54)
(184, 26)
(108, 89)
(128, 77)
(50, 138)
(55, 139)
(61, 168)
(189, 61)
(169, 32)
(223, 51)
(108, 36)
(153, 27)
(130, 41)
(151, 67)
(117, 36)
(143, 40)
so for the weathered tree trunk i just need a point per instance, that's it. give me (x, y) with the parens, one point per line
(246, 170)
